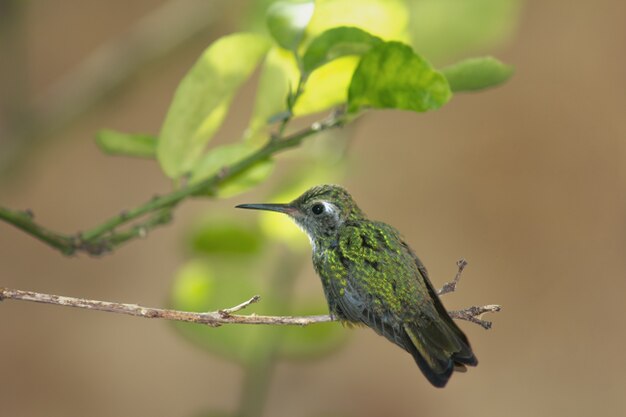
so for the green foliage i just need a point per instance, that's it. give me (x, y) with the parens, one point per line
(477, 74)
(203, 97)
(287, 20)
(392, 76)
(127, 144)
(327, 85)
(279, 72)
(328, 45)
(335, 43)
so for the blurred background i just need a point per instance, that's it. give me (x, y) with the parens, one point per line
(525, 181)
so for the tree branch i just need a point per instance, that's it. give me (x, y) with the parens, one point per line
(473, 313)
(219, 317)
(105, 237)
(212, 318)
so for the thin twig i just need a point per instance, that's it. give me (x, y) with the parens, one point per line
(451, 286)
(473, 313)
(226, 312)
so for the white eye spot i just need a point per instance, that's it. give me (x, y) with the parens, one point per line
(329, 208)
(333, 210)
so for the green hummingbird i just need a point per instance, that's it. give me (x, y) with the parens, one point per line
(372, 277)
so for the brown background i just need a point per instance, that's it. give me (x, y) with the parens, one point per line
(526, 181)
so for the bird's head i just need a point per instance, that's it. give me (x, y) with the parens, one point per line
(320, 211)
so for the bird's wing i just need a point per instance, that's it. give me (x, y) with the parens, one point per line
(375, 284)
(440, 344)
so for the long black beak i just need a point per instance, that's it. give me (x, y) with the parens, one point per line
(281, 208)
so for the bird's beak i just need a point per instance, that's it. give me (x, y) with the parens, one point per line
(281, 208)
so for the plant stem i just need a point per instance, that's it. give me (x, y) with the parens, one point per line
(104, 237)
(23, 220)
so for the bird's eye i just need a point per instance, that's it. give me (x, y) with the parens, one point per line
(317, 209)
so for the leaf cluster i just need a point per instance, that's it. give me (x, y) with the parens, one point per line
(307, 65)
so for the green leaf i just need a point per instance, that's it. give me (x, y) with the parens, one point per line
(335, 43)
(287, 20)
(203, 97)
(477, 74)
(127, 144)
(223, 156)
(220, 236)
(311, 341)
(392, 76)
(278, 72)
(328, 85)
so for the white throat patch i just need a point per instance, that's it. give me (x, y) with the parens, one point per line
(329, 209)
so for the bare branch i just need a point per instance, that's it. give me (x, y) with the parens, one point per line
(212, 318)
(474, 314)
(451, 286)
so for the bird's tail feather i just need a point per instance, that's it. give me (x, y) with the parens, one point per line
(439, 348)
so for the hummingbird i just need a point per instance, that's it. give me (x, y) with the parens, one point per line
(372, 277)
